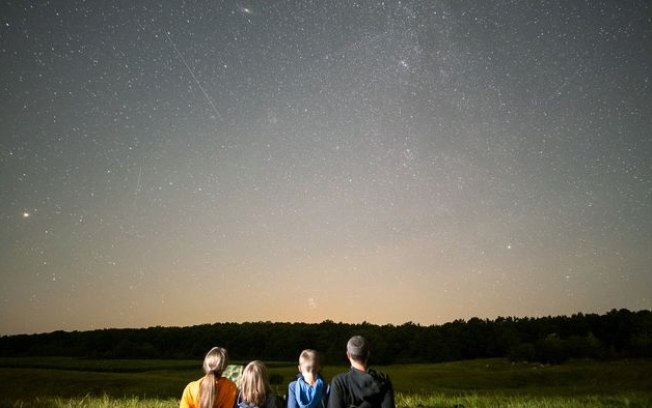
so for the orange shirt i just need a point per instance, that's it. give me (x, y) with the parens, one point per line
(225, 395)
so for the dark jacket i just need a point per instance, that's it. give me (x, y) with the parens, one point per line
(270, 402)
(364, 389)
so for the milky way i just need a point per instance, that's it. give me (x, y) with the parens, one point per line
(183, 163)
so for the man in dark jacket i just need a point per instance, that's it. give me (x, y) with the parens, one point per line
(361, 386)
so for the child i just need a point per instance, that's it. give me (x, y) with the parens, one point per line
(309, 390)
(255, 390)
(212, 390)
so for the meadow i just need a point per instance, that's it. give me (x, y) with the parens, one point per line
(70, 382)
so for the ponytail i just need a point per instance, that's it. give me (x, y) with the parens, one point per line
(214, 363)
(207, 390)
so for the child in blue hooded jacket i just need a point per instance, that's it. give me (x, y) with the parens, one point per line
(309, 390)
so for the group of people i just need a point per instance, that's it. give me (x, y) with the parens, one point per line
(360, 387)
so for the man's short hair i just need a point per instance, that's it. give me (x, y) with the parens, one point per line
(358, 348)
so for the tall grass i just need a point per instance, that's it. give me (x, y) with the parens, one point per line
(491, 400)
(630, 400)
(56, 383)
(89, 401)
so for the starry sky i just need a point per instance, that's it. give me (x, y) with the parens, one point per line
(187, 162)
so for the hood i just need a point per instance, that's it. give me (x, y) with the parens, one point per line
(309, 396)
(369, 385)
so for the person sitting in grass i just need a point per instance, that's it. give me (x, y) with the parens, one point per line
(360, 386)
(255, 389)
(212, 390)
(309, 390)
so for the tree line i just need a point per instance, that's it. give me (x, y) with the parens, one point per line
(616, 334)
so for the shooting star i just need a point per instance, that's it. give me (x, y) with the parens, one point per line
(181, 57)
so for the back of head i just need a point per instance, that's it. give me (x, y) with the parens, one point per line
(358, 348)
(309, 360)
(214, 363)
(254, 384)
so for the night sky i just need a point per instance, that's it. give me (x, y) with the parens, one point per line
(178, 163)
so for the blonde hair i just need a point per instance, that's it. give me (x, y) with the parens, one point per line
(214, 363)
(309, 360)
(254, 384)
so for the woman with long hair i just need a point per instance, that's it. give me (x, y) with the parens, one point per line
(255, 390)
(212, 390)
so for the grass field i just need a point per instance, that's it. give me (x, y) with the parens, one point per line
(67, 382)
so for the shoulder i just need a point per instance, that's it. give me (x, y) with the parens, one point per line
(193, 385)
(377, 373)
(227, 387)
(381, 378)
(341, 378)
(191, 391)
(225, 382)
(270, 402)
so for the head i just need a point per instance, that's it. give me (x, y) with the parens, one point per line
(357, 349)
(309, 362)
(215, 361)
(254, 383)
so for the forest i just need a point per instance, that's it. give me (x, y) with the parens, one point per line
(613, 335)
